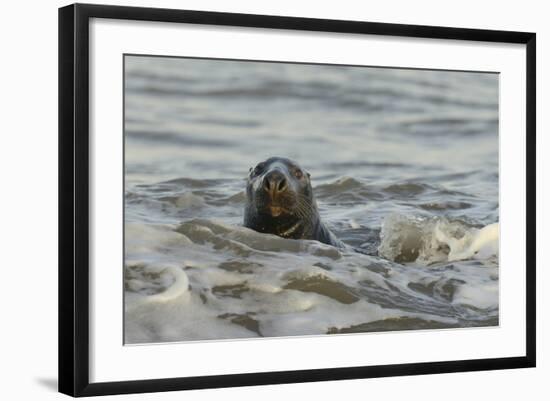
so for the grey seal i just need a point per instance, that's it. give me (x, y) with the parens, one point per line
(280, 201)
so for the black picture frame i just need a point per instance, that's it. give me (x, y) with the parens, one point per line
(74, 194)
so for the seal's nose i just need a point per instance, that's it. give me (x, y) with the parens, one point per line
(275, 182)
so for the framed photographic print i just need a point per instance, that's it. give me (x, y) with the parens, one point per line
(251, 199)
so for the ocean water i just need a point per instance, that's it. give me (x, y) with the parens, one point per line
(404, 167)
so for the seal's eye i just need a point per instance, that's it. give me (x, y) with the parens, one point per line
(259, 168)
(298, 173)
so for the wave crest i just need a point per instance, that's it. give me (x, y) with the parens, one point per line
(432, 240)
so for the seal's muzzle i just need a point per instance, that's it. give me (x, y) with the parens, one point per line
(275, 183)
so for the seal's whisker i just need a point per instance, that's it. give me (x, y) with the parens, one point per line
(303, 208)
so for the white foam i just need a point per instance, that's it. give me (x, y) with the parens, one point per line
(483, 244)
(427, 241)
(148, 238)
(211, 280)
(482, 296)
(189, 200)
(176, 290)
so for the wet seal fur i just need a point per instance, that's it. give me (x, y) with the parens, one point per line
(280, 201)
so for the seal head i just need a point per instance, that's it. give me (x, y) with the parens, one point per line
(280, 201)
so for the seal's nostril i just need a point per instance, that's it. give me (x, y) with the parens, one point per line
(275, 183)
(282, 185)
(267, 185)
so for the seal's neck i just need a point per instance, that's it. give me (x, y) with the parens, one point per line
(293, 230)
(286, 226)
